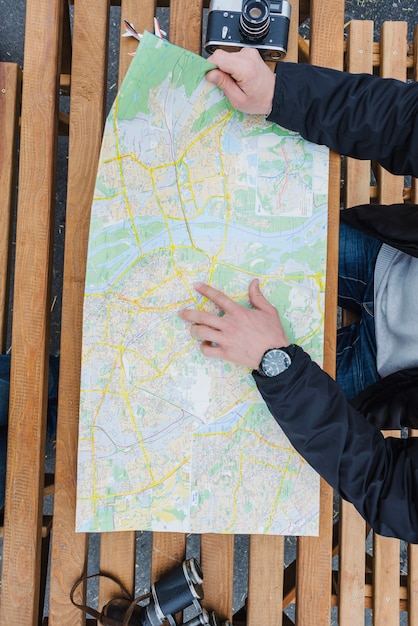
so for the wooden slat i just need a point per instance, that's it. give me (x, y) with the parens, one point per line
(352, 526)
(117, 550)
(412, 582)
(393, 53)
(293, 44)
(186, 24)
(217, 558)
(413, 549)
(314, 554)
(217, 551)
(141, 15)
(168, 550)
(385, 580)
(351, 566)
(27, 415)
(265, 550)
(266, 574)
(414, 191)
(386, 551)
(10, 95)
(87, 113)
(117, 557)
(359, 60)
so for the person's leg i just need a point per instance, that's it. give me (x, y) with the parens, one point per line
(356, 344)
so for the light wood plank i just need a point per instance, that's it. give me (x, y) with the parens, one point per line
(314, 554)
(118, 550)
(117, 558)
(216, 550)
(386, 551)
(266, 578)
(293, 45)
(359, 60)
(10, 97)
(168, 551)
(385, 580)
(27, 415)
(413, 549)
(265, 568)
(352, 526)
(141, 15)
(393, 55)
(351, 566)
(186, 24)
(217, 559)
(88, 88)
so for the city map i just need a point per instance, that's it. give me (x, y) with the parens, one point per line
(189, 189)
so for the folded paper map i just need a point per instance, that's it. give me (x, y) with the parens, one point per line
(189, 189)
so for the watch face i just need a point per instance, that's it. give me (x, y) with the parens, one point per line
(275, 362)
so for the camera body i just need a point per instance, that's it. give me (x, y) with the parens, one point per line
(261, 24)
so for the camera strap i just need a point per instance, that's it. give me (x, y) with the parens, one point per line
(102, 618)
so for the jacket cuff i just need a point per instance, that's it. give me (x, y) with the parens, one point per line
(299, 362)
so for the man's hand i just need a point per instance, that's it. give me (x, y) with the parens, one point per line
(239, 334)
(245, 79)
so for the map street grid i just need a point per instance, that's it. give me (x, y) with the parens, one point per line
(188, 190)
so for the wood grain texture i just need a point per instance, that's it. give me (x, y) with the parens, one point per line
(141, 15)
(10, 98)
(313, 601)
(352, 526)
(359, 60)
(186, 24)
(217, 559)
(387, 551)
(30, 338)
(393, 54)
(414, 191)
(87, 114)
(266, 575)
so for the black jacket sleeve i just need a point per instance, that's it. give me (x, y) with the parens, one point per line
(379, 476)
(358, 115)
(394, 224)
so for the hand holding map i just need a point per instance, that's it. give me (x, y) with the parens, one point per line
(245, 79)
(240, 335)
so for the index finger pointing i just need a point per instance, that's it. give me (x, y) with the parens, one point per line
(218, 297)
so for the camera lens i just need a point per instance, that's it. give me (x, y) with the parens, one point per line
(255, 19)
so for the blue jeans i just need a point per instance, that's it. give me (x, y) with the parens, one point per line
(4, 410)
(356, 344)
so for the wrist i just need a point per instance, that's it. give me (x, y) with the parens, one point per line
(270, 97)
(276, 360)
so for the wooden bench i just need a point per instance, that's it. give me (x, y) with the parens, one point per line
(309, 581)
(10, 94)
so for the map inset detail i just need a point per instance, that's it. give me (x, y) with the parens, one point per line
(189, 189)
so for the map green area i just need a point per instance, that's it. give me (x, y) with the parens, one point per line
(189, 189)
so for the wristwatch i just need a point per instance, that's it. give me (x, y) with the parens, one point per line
(276, 360)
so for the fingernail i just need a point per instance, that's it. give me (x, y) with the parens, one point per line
(198, 285)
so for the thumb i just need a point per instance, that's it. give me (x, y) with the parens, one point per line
(258, 301)
(227, 84)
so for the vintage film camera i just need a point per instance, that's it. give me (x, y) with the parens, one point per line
(174, 592)
(261, 24)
